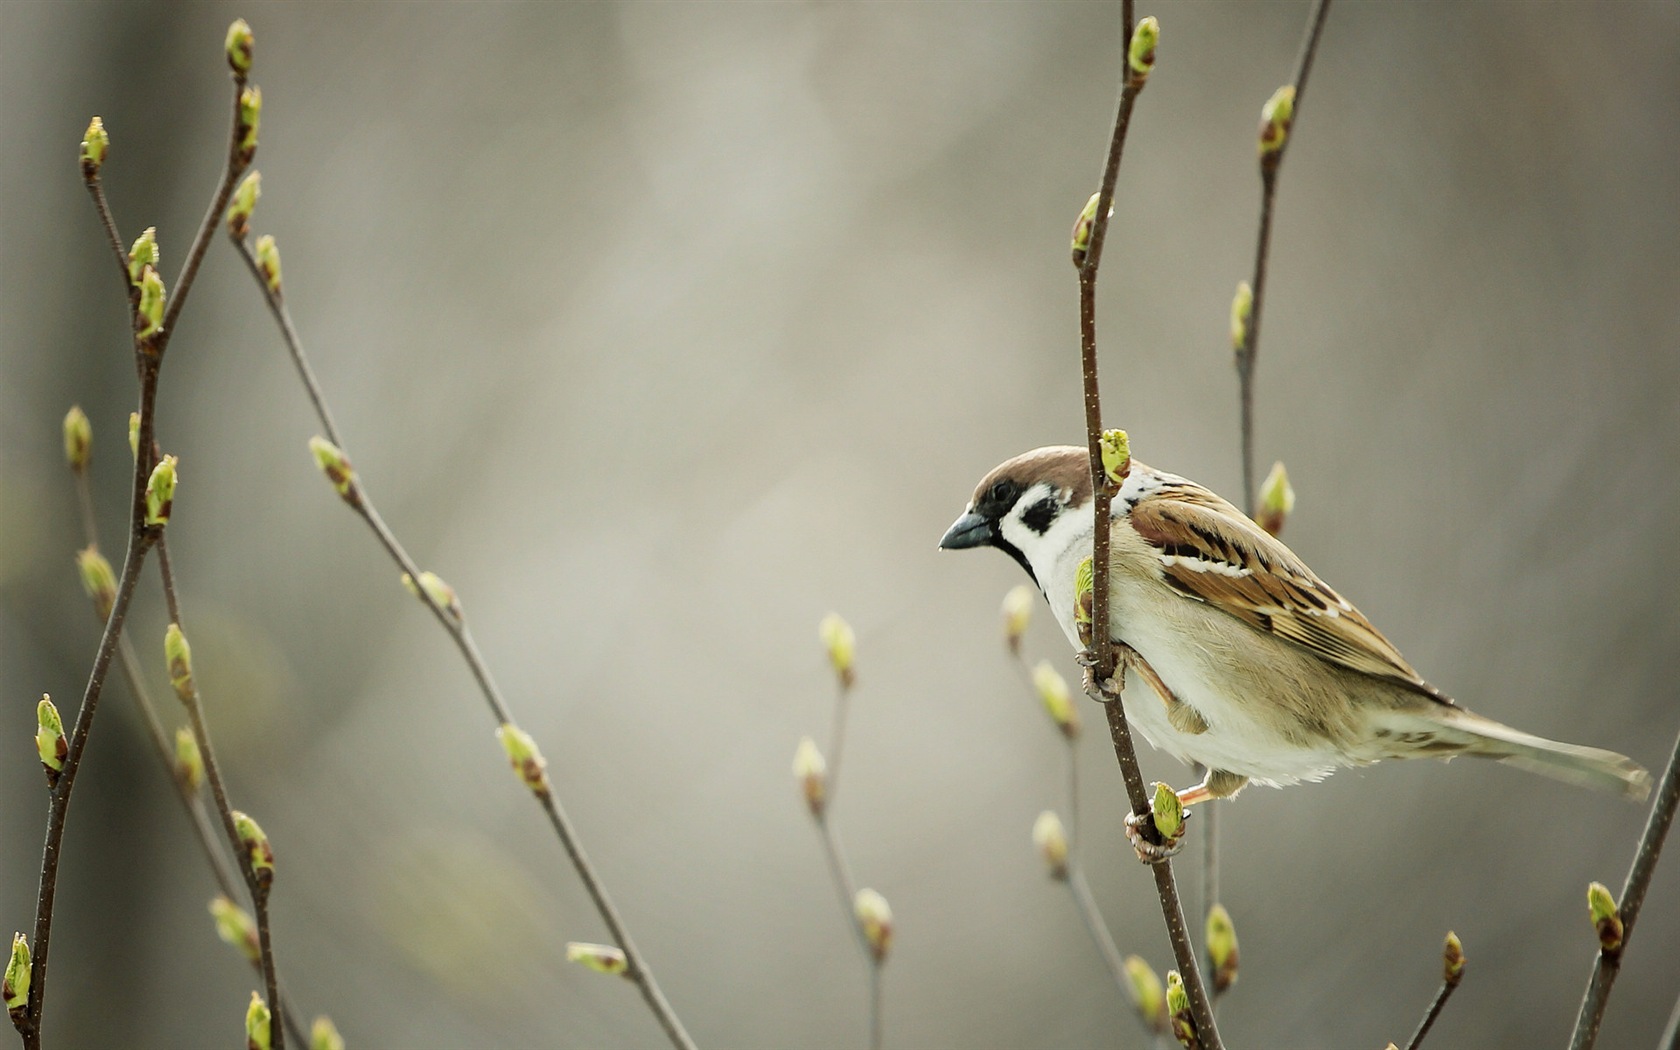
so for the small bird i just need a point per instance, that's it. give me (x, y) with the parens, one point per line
(1247, 662)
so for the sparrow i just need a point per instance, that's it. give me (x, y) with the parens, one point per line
(1245, 661)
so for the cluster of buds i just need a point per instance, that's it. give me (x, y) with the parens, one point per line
(527, 761)
(1222, 947)
(94, 144)
(177, 655)
(98, 581)
(1058, 703)
(189, 761)
(15, 986)
(259, 1024)
(258, 852)
(841, 644)
(235, 928)
(1242, 308)
(1147, 994)
(874, 919)
(602, 958)
(441, 594)
(1607, 919)
(1140, 55)
(49, 739)
(1178, 1013)
(323, 1035)
(243, 204)
(1050, 838)
(336, 466)
(1452, 960)
(811, 770)
(268, 263)
(1277, 500)
(1116, 450)
(78, 439)
(160, 492)
(1275, 118)
(1017, 615)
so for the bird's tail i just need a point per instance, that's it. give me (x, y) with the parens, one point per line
(1588, 766)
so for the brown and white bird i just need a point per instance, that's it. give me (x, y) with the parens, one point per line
(1251, 665)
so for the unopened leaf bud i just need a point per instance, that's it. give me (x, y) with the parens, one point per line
(336, 466)
(94, 144)
(189, 761)
(259, 1025)
(1606, 917)
(602, 958)
(258, 851)
(1242, 308)
(1116, 455)
(15, 987)
(1452, 959)
(1147, 994)
(250, 118)
(1275, 118)
(841, 643)
(49, 739)
(134, 434)
(268, 262)
(1277, 500)
(239, 44)
(1058, 703)
(526, 760)
(244, 202)
(1017, 615)
(811, 770)
(875, 920)
(1051, 839)
(160, 491)
(1082, 228)
(1222, 947)
(78, 438)
(1168, 812)
(149, 311)
(323, 1035)
(98, 581)
(1082, 600)
(144, 253)
(441, 594)
(177, 654)
(1141, 54)
(235, 928)
(1178, 1011)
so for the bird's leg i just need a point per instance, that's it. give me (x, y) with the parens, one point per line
(1108, 690)
(1139, 828)
(1216, 784)
(1180, 715)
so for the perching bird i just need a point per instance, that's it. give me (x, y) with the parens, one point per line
(1251, 665)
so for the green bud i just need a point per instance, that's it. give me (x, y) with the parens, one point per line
(98, 581)
(250, 118)
(1275, 117)
(323, 1035)
(1178, 1010)
(1242, 308)
(235, 928)
(602, 958)
(1168, 811)
(1277, 500)
(258, 851)
(1607, 919)
(259, 1025)
(442, 595)
(1147, 994)
(875, 920)
(336, 466)
(1082, 599)
(134, 434)
(1452, 959)
(1222, 947)
(1058, 703)
(812, 772)
(1082, 228)
(189, 761)
(526, 759)
(160, 491)
(1017, 615)
(78, 438)
(1116, 455)
(94, 144)
(268, 261)
(1050, 838)
(1141, 55)
(239, 43)
(49, 739)
(144, 253)
(149, 312)
(178, 655)
(15, 988)
(244, 202)
(841, 643)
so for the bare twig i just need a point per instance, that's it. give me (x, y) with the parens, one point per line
(1670, 1039)
(1452, 972)
(636, 968)
(1609, 964)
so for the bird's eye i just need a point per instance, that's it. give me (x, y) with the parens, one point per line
(998, 493)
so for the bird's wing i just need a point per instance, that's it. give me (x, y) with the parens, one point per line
(1213, 553)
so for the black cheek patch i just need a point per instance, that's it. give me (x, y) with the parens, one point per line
(1039, 516)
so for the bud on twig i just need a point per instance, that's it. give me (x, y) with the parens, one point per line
(1452, 960)
(1082, 583)
(94, 144)
(258, 851)
(250, 118)
(1168, 812)
(1222, 947)
(602, 958)
(1082, 228)
(442, 595)
(1017, 615)
(160, 492)
(15, 987)
(1116, 455)
(134, 434)
(336, 466)
(1277, 500)
(323, 1035)
(1178, 1010)
(244, 202)
(1141, 55)
(268, 262)
(177, 654)
(527, 761)
(259, 1025)
(875, 920)
(78, 439)
(1147, 994)
(1242, 308)
(98, 581)
(812, 772)
(235, 928)
(1051, 839)
(149, 311)
(1607, 919)
(1053, 693)
(144, 253)
(189, 761)
(1275, 118)
(239, 43)
(841, 643)
(49, 739)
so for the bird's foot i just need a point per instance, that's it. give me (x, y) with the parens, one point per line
(1151, 845)
(1105, 691)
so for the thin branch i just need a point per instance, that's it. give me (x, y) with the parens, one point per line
(1609, 964)
(1435, 1008)
(1670, 1039)
(636, 968)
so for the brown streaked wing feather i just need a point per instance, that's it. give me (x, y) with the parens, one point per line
(1273, 589)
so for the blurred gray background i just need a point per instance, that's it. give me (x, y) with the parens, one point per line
(661, 330)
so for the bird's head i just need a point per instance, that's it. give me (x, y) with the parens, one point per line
(1017, 507)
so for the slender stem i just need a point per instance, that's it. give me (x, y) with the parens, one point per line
(1091, 915)
(1670, 1039)
(1608, 965)
(637, 970)
(1441, 997)
(109, 223)
(837, 733)
(875, 1035)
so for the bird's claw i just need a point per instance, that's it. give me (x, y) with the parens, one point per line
(1141, 833)
(1105, 691)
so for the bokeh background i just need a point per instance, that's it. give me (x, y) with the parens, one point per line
(661, 330)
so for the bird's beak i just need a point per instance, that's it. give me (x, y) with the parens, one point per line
(970, 530)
